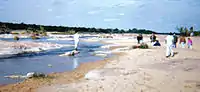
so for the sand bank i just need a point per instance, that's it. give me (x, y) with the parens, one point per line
(138, 70)
(141, 70)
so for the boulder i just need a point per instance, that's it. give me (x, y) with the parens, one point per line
(29, 75)
(71, 53)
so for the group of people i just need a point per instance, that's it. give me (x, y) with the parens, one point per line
(182, 42)
(152, 38)
(172, 40)
(154, 41)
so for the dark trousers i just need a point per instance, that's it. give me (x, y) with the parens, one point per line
(174, 44)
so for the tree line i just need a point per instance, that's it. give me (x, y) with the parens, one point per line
(6, 27)
(184, 31)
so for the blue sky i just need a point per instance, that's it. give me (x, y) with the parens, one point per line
(156, 15)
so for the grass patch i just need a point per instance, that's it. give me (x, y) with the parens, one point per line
(141, 46)
(16, 38)
(42, 77)
(34, 37)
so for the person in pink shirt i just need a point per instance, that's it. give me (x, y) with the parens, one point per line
(189, 43)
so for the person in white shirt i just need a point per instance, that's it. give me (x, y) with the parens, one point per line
(76, 41)
(169, 45)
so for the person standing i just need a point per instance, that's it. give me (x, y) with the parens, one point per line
(189, 43)
(169, 44)
(175, 40)
(153, 38)
(192, 34)
(140, 38)
(182, 41)
(76, 41)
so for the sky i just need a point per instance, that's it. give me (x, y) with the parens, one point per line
(156, 15)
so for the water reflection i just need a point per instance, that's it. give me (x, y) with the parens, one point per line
(75, 63)
(38, 62)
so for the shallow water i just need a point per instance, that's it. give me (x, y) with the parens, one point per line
(38, 62)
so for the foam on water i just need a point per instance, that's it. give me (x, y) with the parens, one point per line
(39, 61)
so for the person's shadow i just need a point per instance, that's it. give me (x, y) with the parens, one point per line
(175, 53)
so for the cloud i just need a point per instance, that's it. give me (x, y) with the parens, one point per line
(126, 13)
(94, 12)
(4, 1)
(121, 14)
(110, 3)
(38, 6)
(141, 6)
(50, 10)
(73, 2)
(69, 15)
(110, 20)
(56, 2)
(126, 3)
(58, 17)
(150, 22)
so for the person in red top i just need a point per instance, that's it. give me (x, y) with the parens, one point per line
(182, 41)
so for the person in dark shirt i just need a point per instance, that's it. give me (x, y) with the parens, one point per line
(175, 40)
(157, 43)
(139, 38)
(153, 37)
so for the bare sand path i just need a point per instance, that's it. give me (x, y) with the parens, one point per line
(142, 70)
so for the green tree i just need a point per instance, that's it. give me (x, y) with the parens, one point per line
(197, 33)
(191, 29)
(115, 30)
(122, 31)
(186, 31)
(3, 29)
(91, 30)
(42, 31)
(30, 30)
(180, 29)
(71, 31)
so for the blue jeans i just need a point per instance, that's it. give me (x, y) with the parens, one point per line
(190, 46)
(182, 45)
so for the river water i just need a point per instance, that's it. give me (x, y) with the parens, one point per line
(41, 62)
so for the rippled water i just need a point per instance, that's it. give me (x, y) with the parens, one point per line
(38, 62)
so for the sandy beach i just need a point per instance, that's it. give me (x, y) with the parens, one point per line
(131, 70)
